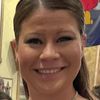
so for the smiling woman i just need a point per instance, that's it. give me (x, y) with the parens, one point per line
(49, 49)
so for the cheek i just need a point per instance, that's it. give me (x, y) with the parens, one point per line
(76, 55)
(73, 51)
(76, 58)
(73, 55)
(27, 58)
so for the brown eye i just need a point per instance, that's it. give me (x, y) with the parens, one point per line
(64, 39)
(34, 41)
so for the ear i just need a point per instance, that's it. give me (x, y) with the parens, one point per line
(83, 40)
(83, 43)
(15, 50)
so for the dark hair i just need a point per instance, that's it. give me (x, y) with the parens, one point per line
(96, 91)
(3, 95)
(25, 8)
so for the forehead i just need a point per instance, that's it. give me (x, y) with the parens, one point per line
(45, 16)
(49, 22)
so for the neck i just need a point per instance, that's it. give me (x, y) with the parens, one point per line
(64, 94)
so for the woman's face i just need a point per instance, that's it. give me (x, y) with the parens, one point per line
(49, 50)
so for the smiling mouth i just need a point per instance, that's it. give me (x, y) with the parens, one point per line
(49, 71)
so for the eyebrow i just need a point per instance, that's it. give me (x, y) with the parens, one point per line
(58, 32)
(35, 33)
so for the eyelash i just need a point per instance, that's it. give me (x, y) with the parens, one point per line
(37, 41)
(34, 41)
(64, 39)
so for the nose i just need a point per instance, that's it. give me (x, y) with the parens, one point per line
(49, 53)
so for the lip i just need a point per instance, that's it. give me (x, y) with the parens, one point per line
(49, 73)
(49, 70)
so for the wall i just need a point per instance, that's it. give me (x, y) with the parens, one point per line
(92, 55)
(7, 66)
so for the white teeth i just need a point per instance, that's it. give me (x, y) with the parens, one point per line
(48, 71)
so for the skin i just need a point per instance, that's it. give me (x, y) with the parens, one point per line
(50, 40)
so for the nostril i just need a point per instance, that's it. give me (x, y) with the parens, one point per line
(63, 68)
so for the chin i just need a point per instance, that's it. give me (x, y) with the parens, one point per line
(50, 87)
